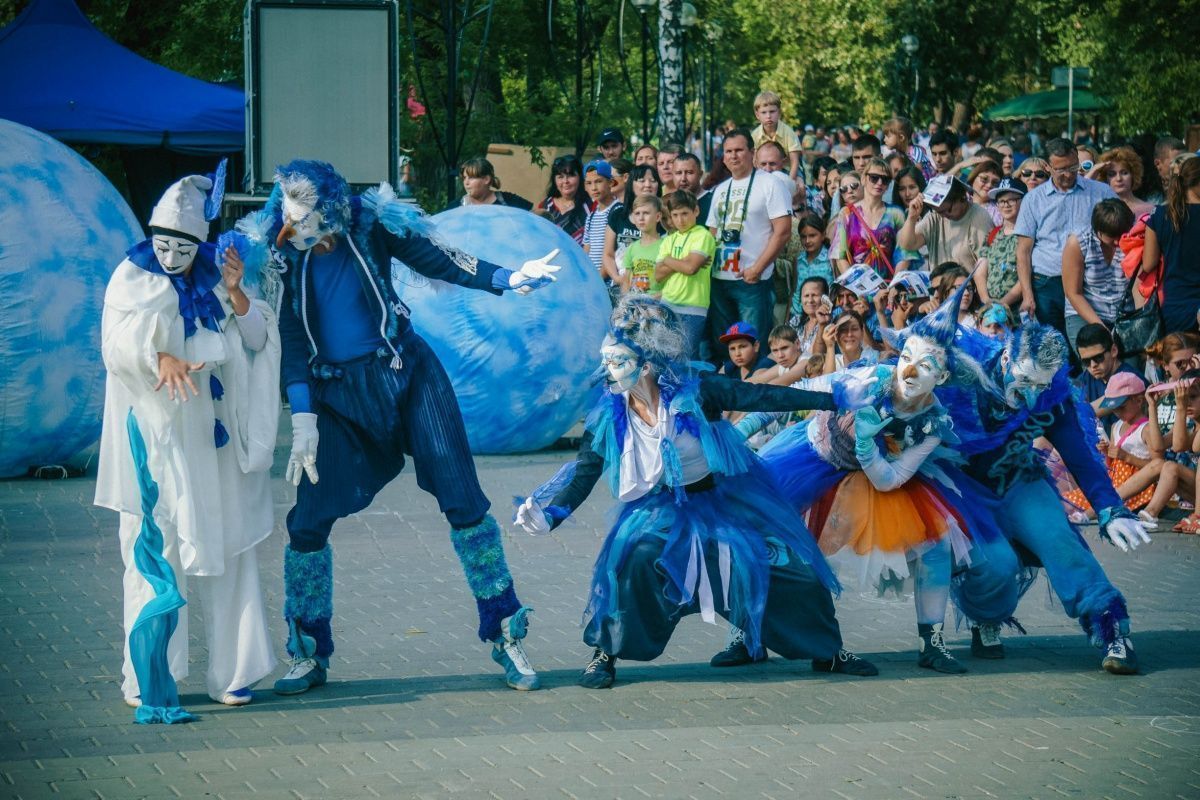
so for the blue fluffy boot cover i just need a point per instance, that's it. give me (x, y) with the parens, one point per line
(308, 595)
(1103, 628)
(482, 556)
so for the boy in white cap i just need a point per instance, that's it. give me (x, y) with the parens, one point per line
(190, 420)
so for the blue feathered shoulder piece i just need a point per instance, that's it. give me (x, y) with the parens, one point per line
(397, 217)
(857, 388)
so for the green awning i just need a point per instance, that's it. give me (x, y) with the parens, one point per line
(1041, 105)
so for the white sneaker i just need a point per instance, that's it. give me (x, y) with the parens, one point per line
(1078, 518)
(134, 702)
(238, 697)
(1147, 520)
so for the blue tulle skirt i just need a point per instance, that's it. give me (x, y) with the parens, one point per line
(743, 517)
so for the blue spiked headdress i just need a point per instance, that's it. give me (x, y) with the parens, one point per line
(318, 185)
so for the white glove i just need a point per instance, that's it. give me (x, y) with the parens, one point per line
(534, 274)
(1126, 533)
(303, 459)
(531, 518)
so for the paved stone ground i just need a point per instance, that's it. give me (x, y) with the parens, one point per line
(417, 709)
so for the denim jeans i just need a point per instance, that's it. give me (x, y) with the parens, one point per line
(738, 301)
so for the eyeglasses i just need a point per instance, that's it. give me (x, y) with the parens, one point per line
(1096, 359)
(1040, 174)
(1067, 170)
(850, 187)
(1182, 363)
(875, 177)
(1008, 201)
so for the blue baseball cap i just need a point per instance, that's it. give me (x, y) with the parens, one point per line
(739, 330)
(600, 166)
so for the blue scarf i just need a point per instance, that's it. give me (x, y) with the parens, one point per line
(197, 301)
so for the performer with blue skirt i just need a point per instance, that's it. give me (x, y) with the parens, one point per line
(700, 528)
(368, 388)
(877, 478)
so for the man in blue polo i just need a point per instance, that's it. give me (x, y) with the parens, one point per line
(1049, 213)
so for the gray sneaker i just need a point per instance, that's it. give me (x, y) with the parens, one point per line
(508, 652)
(1119, 658)
(306, 673)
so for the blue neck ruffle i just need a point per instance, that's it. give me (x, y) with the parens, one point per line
(198, 303)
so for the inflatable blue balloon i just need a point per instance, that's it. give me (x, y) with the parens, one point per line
(63, 229)
(520, 364)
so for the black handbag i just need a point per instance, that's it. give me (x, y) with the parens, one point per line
(1138, 328)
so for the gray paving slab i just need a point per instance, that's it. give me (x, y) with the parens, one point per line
(416, 709)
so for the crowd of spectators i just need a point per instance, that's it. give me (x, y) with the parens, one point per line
(820, 238)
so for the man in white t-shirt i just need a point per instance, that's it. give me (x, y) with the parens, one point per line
(750, 233)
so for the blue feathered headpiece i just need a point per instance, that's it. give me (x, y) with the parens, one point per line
(317, 185)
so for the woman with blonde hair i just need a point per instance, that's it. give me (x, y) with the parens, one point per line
(1033, 172)
(865, 230)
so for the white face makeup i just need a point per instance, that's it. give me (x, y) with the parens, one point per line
(174, 253)
(623, 366)
(1024, 381)
(920, 368)
(307, 224)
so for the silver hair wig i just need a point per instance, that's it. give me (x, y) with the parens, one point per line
(1041, 344)
(651, 329)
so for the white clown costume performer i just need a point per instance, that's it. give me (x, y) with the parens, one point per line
(198, 383)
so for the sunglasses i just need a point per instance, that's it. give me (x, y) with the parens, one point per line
(1040, 174)
(875, 177)
(1089, 360)
(850, 187)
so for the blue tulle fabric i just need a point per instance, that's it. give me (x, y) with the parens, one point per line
(741, 512)
(154, 626)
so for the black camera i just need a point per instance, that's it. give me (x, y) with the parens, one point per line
(731, 236)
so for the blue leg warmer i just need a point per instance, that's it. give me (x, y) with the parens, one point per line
(1104, 627)
(482, 556)
(308, 590)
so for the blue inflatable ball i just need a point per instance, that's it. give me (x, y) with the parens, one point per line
(520, 364)
(63, 230)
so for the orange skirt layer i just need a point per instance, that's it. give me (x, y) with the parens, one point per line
(854, 515)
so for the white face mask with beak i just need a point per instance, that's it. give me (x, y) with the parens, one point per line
(920, 368)
(303, 227)
(623, 366)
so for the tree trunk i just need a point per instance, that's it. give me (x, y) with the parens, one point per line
(670, 81)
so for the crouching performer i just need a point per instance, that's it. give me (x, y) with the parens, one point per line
(700, 528)
(191, 413)
(369, 390)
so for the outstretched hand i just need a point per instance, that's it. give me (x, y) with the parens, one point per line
(1126, 533)
(534, 274)
(175, 374)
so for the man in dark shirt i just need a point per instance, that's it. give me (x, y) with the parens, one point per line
(1100, 359)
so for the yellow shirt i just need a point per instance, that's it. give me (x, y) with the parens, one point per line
(784, 136)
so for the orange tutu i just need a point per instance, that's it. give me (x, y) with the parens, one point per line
(854, 515)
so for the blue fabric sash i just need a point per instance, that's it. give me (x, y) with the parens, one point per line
(154, 626)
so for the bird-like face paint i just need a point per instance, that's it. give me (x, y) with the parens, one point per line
(920, 368)
(623, 366)
(174, 253)
(1024, 381)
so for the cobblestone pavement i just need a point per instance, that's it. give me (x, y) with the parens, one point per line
(416, 708)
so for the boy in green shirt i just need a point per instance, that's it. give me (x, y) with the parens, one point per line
(637, 265)
(685, 266)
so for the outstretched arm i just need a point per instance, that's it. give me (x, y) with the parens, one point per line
(719, 393)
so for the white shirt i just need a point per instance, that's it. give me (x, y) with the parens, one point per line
(768, 201)
(641, 457)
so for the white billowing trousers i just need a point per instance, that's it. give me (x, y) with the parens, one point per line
(239, 646)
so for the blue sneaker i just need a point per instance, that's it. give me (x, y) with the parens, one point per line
(508, 652)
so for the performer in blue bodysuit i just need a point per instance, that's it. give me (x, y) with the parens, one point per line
(700, 528)
(370, 390)
(997, 437)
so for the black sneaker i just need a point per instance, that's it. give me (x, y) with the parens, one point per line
(1119, 658)
(846, 663)
(736, 654)
(985, 641)
(934, 655)
(600, 672)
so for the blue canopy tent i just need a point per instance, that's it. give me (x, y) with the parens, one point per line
(64, 77)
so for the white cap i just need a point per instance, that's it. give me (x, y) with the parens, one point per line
(182, 207)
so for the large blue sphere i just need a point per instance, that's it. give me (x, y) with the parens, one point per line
(63, 229)
(520, 364)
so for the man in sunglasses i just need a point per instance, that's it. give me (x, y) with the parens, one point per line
(1049, 214)
(1101, 360)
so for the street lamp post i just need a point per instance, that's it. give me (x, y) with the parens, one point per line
(911, 45)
